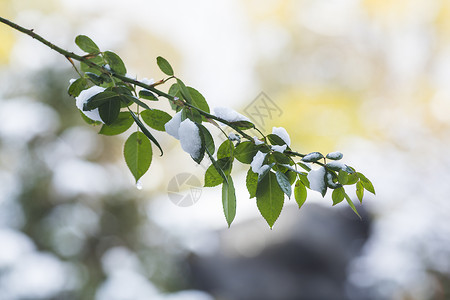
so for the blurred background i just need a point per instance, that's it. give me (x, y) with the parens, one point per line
(365, 77)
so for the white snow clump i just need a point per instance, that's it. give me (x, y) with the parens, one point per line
(282, 133)
(279, 148)
(234, 137)
(84, 96)
(335, 155)
(257, 141)
(257, 163)
(336, 165)
(317, 179)
(229, 115)
(190, 138)
(173, 125)
(314, 156)
(147, 81)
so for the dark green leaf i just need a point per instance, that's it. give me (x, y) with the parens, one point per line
(120, 125)
(350, 202)
(265, 172)
(229, 200)
(138, 154)
(292, 176)
(145, 131)
(359, 191)
(96, 79)
(281, 158)
(164, 65)
(251, 182)
(128, 98)
(304, 179)
(86, 44)
(243, 125)
(304, 166)
(300, 193)
(77, 86)
(147, 95)
(216, 166)
(209, 141)
(99, 99)
(155, 118)
(366, 183)
(212, 176)
(98, 60)
(198, 100)
(184, 91)
(269, 198)
(109, 111)
(284, 183)
(275, 140)
(225, 149)
(245, 152)
(115, 62)
(201, 153)
(338, 195)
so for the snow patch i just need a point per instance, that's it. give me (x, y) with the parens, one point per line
(257, 163)
(279, 148)
(314, 156)
(190, 138)
(148, 81)
(257, 141)
(84, 96)
(234, 137)
(282, 133)
(317, 179)
(336, 165)
(173, 125)
(229, 115)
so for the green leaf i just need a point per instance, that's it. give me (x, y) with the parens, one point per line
(212, 176)
(265, 172)
(184, 91)
(164, 66)
(243, 125)
(229, 200)
(269, 198)
(128, 98)
(198, 100)
(284, 183)
(216, 166)
(155, 118)
(77, 86)
(350, 202)
(201, 153)
(99, 99)
(115, 62)
(342, 177)
(109, 111)
(94, 78)
(98, 60)
(300, 193)
(338, 195)
(359, 191)
(281, 158)
(352, 179)
(366, 183)
(251, 181)
(209, 141)
(225, 149)
(275, 140)
(304, 179)
(245, 152)
(138, 154)
(147, 95)
(86, 44)
(291, 175)
(145, 131)
(120, 125)
(304, 166)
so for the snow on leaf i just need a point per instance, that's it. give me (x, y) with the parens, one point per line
(190, 139)
(84, 96)
(279, 148)
(173, 125)
(229, 115)
(317, 180)
(257, 163)
(282, 133)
